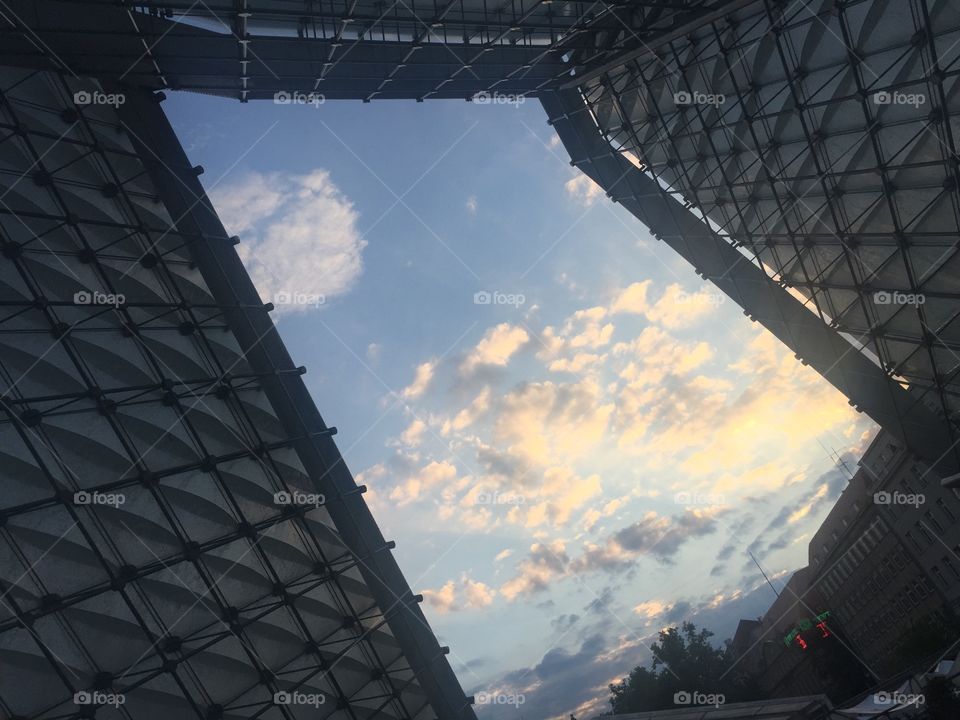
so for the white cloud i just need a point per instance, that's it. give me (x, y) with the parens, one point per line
(467, 594)
(674, 309)
(468, 415)
(421, 380)
(632, 299)
(430, 477)
(414, 433)
(472, 204)
(300, 235)
(373, 352)
(582, 189)
(496, 348)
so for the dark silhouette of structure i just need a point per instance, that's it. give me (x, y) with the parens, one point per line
(801, 156)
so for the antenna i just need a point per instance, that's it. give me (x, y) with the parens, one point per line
(763, 573)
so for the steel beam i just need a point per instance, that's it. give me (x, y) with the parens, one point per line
(224, 274)
(929, 435)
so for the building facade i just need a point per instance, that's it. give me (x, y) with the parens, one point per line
(179, 536)
(170, 483)
(801, 156)
(883, 567)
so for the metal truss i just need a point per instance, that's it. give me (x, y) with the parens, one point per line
(359, 49)
(717, 259)
(820, 141)
(138, 363)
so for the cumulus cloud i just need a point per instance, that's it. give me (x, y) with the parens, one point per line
(675, 308)
(300, 236)
(544, 563)
(496, 348)
(469, 415)
(421, 381)
(456, 596)
(414, 432)
(561, 493)
(654, 535)
(548, 423)
(431, 476)
(651, 608)
(583, 190)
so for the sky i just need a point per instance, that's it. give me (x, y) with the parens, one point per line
(573, 440)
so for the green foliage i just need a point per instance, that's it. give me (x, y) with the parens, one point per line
(683, 660)
(926, 637)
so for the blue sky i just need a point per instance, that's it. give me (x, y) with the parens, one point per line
(566, 469)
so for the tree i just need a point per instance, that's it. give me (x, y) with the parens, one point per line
(683, 660)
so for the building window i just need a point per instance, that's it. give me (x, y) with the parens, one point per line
(913, 541)
(933, 521)
(951, 567)
(946, 510)
(921, 477)
(926, 533)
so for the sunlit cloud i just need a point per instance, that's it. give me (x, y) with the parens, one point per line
(496, 347)
(462, 595)
(301, 242)
(583, 190)
(421, 380)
